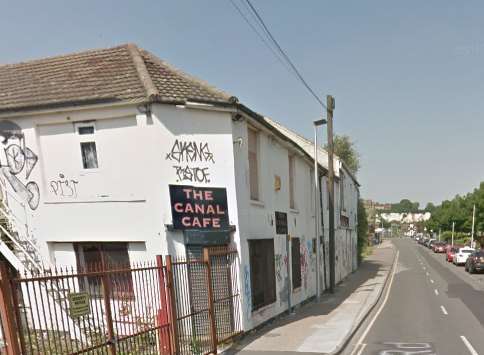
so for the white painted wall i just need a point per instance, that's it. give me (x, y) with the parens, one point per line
(127, 198)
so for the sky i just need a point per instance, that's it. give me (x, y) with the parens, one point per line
(407, 76)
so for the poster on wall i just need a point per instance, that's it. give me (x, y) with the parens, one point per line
(199, 208)
(281, 222)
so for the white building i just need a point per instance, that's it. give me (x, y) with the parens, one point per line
(94, 140)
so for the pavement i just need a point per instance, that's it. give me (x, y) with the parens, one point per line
(325, 327)
(432, 307)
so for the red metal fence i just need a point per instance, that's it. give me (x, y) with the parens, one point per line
(180, 306)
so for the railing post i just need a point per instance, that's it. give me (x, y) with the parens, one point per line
(211, 310)
(164, 332)
(172, 304)
(107, 311)
(6, 312)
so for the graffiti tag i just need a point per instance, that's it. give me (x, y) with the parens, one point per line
(188, 151)
(192, 174)
(64, 187)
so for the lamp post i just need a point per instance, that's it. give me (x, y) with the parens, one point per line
(317, 214)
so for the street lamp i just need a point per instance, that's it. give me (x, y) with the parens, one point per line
(316, 124)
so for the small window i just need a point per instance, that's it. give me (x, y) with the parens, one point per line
(253, 164)
(262, 272)
(296, 262)
(85, 130)
(291, 182)
(89, 155)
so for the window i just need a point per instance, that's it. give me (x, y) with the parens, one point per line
(262, 272)
(342, 192)
(86, 132)
(104, 256)
(296, 262)
(253, 164)
(291, 182)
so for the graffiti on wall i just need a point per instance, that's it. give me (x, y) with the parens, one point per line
(304, 263)
(186, 153)
(64, 187)
(18, 163)
(189, 152)
(247, 292)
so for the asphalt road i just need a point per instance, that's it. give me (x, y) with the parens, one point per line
(431, 307)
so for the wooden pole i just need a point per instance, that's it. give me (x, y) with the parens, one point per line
(332, 259)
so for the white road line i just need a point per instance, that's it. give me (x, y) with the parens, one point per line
(469, 346)
(362, 347)
(436, 292)
(365, 333)
(431, 281)
(444, 311)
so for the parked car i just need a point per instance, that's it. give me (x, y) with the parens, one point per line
(450, 253)
(439, 247)
(430, 243)
(461, 255)
(475, 262)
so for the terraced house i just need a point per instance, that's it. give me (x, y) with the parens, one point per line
(114, 155)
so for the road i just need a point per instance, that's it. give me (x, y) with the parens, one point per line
(429, 307)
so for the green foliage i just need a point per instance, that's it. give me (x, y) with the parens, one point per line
(362, 232)
(345, 149)
(405, 206)
(459, 210)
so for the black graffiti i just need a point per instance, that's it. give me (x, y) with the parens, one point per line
(193, 174)
(186, 151)
(19, 158)
(29, 192)
(64, 187)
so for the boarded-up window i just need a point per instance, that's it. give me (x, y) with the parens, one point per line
(342, 192)
(296, 262)
(291, 182)
(262, 272)
(253, 164)
(104, 256)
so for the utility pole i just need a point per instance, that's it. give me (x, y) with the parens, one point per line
(473, 221)
(316, 209)
(332, 261)
(453, 227)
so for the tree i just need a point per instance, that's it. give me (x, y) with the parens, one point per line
(405, 206)
(345, 149)
(362, 232)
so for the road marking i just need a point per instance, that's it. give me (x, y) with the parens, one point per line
(436, 292)
(362, 347)
(444, 311)
(431, 281)
(365, 333)
(469, 346)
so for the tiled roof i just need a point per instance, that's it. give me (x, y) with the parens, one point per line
(120, 74)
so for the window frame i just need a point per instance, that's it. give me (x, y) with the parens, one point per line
(85, 284)
(87, 138)
(292, 181)
(251, 129)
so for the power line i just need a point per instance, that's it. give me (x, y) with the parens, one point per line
(267, 44)
(296, 71)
